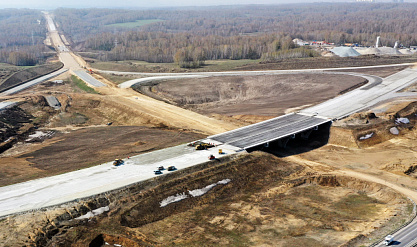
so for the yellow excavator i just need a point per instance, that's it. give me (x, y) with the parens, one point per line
(203, 146)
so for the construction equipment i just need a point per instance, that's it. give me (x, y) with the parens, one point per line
(118, 162)
(204, 146)
(199, 145)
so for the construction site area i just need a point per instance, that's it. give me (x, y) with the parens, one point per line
(351, 188)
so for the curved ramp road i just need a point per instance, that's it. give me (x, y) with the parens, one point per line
(33, 82)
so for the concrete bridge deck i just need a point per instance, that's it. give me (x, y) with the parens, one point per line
(270, 130)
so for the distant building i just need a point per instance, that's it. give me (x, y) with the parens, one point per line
(300, 42)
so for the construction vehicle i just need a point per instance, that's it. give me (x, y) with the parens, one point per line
(199, 145)
(172, 168)
(204, 146)
(388, 240)
(118, 162)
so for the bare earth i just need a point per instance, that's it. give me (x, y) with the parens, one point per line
(268, 95)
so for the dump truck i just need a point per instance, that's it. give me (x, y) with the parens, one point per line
(388, 240)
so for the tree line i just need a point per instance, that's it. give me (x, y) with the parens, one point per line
(191, 35)
(22, 32)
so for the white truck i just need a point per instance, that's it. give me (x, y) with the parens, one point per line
(388, 239)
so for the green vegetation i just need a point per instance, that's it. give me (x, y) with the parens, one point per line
(137, 23)
(82, 85)
(357, 205)
(191, 36)
(22, 32)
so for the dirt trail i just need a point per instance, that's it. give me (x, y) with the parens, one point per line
(408, 192)
(323, 167)
(167, 114)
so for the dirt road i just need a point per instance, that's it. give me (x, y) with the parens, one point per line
(164, 113)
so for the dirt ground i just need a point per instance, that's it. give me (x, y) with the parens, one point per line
(281, 204)
(268, 95)
(69, 151)
(253, 208)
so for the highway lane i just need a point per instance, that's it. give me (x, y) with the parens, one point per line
(170, 76)
(67, 57)
(88, 78)
(363, 97)
(55, 190)
(33, 82)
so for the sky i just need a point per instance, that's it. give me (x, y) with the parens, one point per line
(51, 4)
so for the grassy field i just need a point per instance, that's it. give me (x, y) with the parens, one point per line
(81, 85)
(137, 23)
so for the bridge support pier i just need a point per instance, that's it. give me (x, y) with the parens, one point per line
(304, 135)
(282, 143)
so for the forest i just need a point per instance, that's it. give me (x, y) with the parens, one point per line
(22, 32)
(189, 36)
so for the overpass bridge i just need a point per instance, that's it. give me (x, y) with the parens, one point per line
(280, 129)
(284, 128)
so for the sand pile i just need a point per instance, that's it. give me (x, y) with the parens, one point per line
(345, 51)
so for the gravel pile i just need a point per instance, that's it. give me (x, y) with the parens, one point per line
(389, 51)
(343, 51)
